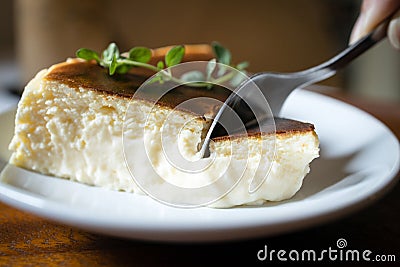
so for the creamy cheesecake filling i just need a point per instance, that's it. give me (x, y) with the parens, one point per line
(288, 164)
(76, 133)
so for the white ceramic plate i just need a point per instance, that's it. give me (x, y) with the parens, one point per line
(359, 160)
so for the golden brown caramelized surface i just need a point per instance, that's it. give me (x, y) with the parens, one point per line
(88, 75)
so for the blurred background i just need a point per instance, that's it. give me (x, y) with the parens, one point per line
(273, 35)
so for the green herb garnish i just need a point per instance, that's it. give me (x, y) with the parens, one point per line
(121, 63)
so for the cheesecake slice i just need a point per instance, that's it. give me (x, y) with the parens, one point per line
(70, 123)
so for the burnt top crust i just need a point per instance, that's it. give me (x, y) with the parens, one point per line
(285, 125)
(280, 126)
(82, 74)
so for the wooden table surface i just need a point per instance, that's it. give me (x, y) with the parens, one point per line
(27, 240)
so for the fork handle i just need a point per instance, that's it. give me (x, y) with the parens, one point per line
(329, 68)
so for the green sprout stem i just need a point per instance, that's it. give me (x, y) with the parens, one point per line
(139, 64)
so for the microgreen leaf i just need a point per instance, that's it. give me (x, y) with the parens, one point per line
(111, 52)
(223, 55)
(174, 56)
(156, 78)
(210, 68)
(122, 69)
(242, 65)
(160, 65)
(193, 76)
(140, 54)
(113, 65)
(88, 54)
(222, 69)
(237, 79)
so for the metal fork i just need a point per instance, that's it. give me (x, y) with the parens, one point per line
(276, 87)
